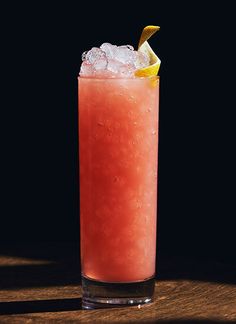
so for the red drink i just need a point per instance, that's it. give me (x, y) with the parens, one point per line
(118, 141)
(118, 146)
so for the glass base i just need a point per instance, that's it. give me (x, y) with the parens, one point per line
(97, 294)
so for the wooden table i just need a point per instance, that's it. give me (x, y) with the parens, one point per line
(37, 289)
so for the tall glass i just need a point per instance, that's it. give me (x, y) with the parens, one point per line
(118, 148)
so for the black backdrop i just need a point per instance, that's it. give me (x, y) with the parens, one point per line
(41, 48)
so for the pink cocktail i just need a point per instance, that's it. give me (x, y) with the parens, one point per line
(118, 149)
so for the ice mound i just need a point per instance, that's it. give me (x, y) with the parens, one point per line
(112, 61)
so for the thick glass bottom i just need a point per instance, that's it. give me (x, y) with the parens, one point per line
(97, 294)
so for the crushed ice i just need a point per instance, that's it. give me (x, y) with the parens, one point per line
(112, 60)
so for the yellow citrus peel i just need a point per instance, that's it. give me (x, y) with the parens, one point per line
(144, 47)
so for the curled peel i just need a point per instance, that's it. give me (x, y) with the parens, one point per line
(144, 47)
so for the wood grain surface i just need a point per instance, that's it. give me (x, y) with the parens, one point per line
(37, 290)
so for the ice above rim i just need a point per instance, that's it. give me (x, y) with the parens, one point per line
(112, 61)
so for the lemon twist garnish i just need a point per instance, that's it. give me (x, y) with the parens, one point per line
(144, 47)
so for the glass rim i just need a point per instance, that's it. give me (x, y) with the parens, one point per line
(97, 78)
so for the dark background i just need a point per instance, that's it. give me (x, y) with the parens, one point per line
(41, 47)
